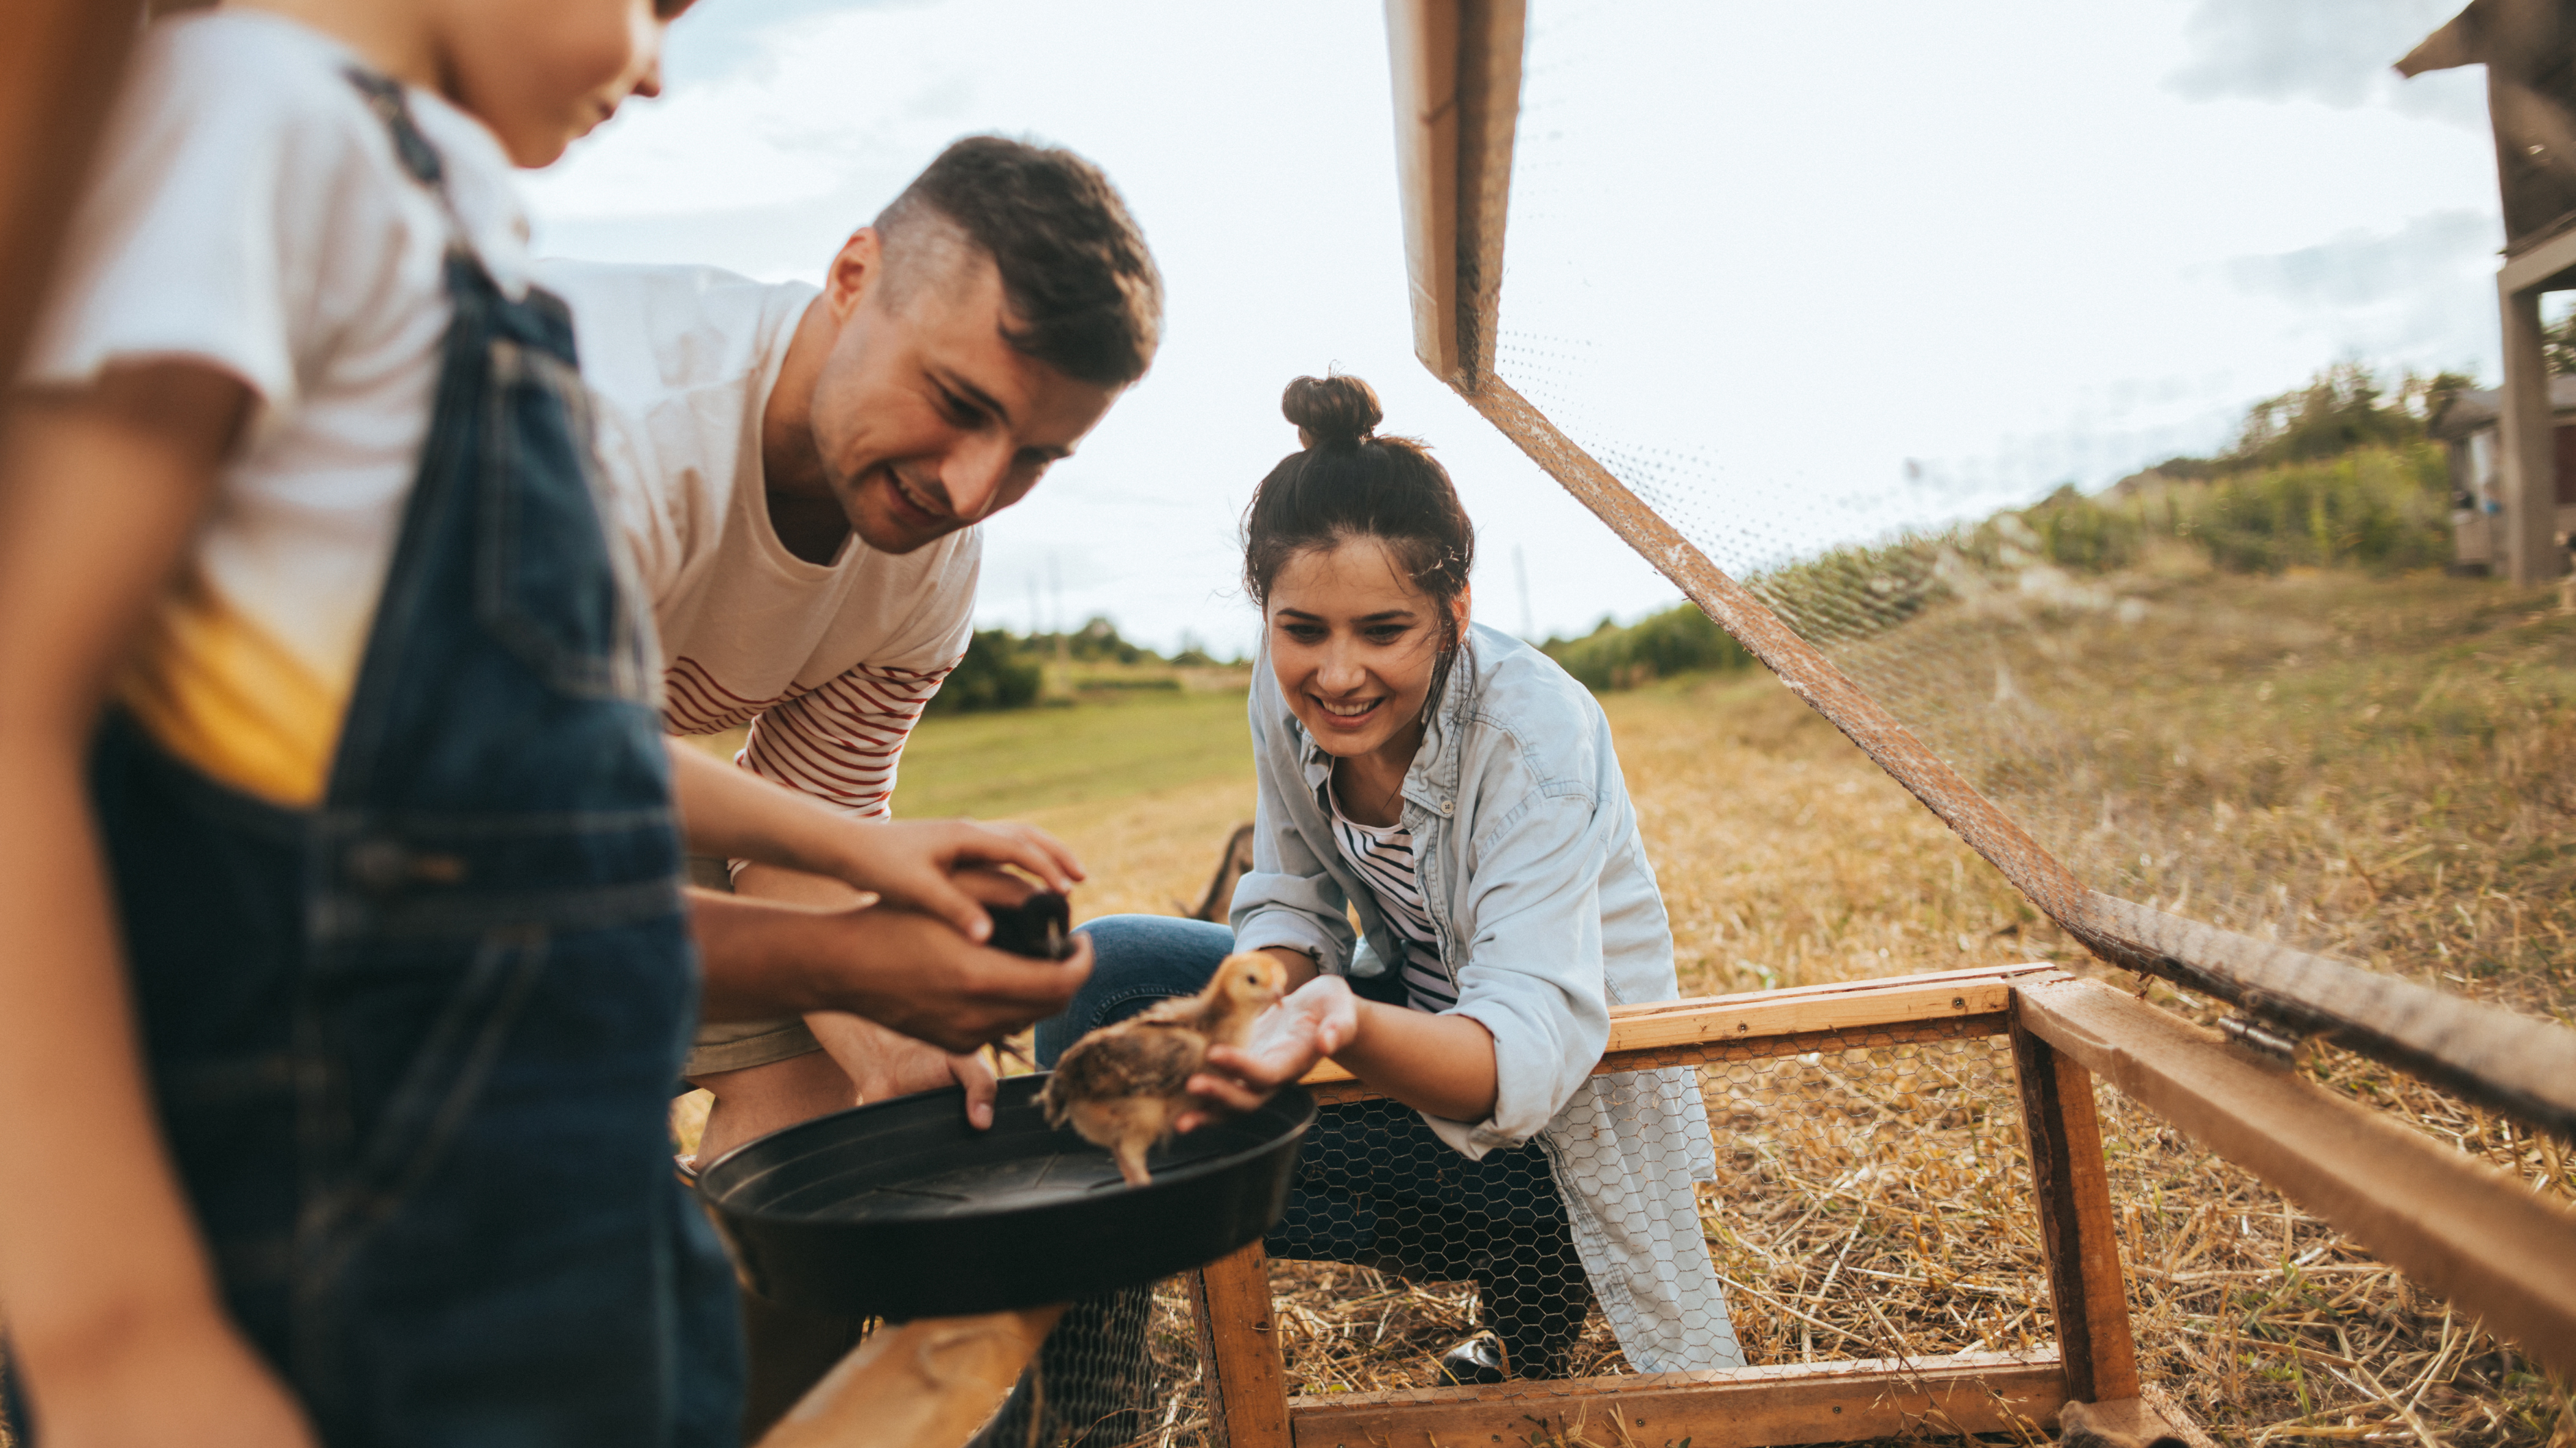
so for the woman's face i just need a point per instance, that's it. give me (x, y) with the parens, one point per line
(1353, 644)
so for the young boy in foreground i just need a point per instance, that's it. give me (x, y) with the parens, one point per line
(364, 1142)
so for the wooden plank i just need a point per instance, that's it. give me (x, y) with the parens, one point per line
(1239, 1341)
(1490, 41)
(1792, 1403)
(1456, 68)
(2513, 1063)
(1422, 54)
(2458, 1227)
(2074, 1195)
(1662, 1033)
(926, 1384)
(58, 78)
(1971, 975)
(1649, 1058)
(2537, 262)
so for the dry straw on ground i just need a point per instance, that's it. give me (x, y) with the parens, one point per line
(1878, 1205)
(2405, 749)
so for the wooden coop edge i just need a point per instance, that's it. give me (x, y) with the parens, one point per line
(1793, 1403)
(2473, 1234)
(1663, 1032)
(2516, 1064)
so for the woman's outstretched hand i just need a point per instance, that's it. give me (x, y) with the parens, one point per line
(1314, 1021)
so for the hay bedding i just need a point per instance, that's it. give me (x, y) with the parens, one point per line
(1886, 1213)
(1786, 859)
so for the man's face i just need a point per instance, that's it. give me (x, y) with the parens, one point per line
(925, 418)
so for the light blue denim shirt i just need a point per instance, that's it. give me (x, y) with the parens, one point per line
(1537, 883)
(1547, 914)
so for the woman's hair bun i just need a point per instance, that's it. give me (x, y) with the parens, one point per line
(1332, 409)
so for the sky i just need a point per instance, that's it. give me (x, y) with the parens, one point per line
(1808, 274)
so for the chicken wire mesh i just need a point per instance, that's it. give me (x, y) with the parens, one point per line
(2183, 713)
(2251, 708)
(1871, 1199)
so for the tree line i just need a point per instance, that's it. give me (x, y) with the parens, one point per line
(2342, 472)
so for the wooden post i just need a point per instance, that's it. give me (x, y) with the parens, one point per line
(2527, 441)
(2476, 1236)
(2074, 1194)
(1247, 1382)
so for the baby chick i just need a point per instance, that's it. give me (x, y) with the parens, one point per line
(1122, 1085)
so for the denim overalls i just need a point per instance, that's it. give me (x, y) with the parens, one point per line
(413, 1049)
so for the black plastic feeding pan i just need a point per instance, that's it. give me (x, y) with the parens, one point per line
(901, 1210)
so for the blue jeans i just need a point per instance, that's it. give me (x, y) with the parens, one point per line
(1374, 1186)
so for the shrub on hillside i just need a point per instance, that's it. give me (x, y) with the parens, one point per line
(2084, 533)
(2381, 508)
(1680, 640)
(993, 675)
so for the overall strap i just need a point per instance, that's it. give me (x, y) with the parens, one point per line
(386, 97)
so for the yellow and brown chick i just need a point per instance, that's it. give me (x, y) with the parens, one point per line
(1122, 1085)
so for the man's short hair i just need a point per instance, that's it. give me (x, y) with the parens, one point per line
(1081, 288)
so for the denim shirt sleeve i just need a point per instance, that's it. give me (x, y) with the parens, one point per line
(1288, 898)
(1533, 964)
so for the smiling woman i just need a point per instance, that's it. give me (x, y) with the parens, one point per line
(1458, 792)
(1359, 552)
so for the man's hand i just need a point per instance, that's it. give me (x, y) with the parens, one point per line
(1316, 1020)
(883, 1064)
(896, 967)
(970, 997)
(918, 863)
(733, 813)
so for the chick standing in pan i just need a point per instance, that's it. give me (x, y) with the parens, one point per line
(1123, 1086)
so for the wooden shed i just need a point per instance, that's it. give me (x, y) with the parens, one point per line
(2529, 50)
(2471, 426)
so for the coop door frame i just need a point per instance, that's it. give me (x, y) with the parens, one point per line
(1248, 1401)
(2457, 1227)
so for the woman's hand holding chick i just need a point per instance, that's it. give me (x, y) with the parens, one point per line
(1309, 1024)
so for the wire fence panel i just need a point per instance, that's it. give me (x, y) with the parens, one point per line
(2229, 702)
(2249, 701)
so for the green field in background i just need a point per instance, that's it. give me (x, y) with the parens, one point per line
(995, 766)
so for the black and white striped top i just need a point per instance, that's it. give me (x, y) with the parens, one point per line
(1382, 856)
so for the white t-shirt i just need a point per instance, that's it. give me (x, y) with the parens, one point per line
(247, 212)
(830, 663)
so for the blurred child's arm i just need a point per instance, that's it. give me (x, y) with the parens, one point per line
(733, 813)
(115, 1323)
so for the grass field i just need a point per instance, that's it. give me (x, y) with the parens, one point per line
(2409, 742)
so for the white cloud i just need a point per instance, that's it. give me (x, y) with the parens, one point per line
(1777, 254)
(2337, 52)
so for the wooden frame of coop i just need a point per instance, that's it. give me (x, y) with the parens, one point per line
(2459, 1227)
(2456, 1226)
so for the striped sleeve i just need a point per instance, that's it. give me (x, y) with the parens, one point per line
(840, 743)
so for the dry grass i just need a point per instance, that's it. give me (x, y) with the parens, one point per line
(2405, 750)
(1786, 858)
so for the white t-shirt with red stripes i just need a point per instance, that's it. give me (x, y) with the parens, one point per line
(829, 663)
